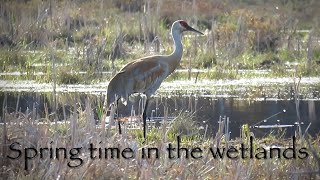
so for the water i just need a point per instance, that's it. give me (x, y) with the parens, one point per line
(207, 109)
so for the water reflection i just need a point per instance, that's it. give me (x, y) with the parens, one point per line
(205, 109)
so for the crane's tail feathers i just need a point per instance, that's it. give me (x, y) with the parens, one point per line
(106, 107)
(124, 101)
(109, 101)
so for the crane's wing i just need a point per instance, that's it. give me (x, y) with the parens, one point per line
(123, 69)
(139, 76)
(145, 75)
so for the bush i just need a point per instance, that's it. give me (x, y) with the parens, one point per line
(184, 124)
(64, 76)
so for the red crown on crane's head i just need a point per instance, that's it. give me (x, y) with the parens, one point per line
(183, 23)
(187, 27)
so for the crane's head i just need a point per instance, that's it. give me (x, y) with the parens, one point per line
(182, 26)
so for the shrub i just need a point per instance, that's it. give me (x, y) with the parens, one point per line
(64, 76)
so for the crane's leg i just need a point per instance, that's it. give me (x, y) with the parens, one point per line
(119, 123)
(144, 116)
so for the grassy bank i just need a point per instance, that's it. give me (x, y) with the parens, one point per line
(80, 130)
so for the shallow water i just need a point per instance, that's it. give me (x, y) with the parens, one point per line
(207, 109)
(280, 88)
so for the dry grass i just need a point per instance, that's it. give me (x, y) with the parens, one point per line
(94, 37)
(80, 130)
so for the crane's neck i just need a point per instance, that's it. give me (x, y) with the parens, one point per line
(175, 57)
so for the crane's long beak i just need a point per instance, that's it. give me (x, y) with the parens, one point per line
(189, 28)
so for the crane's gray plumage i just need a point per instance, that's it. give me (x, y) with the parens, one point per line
(145, 75)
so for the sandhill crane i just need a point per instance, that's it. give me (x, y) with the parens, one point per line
(146, 74)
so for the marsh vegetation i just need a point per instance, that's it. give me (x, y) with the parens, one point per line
(65, 39)
(256, 59)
